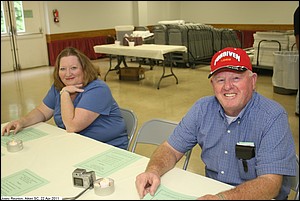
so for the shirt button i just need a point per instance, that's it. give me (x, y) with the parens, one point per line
(226, 152)
(228, 131)
(222, 172)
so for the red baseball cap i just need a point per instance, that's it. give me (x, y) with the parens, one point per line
(230, 58)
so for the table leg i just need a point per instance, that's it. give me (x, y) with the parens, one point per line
(110, 58)
(117, 67)
(120, 60)
(151, 61)
(142, 61)
(164, 76)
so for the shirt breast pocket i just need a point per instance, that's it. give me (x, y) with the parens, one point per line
(247, 169)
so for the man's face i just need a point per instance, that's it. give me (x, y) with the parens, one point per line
(233, 89)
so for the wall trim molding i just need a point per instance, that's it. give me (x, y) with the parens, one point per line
(77, 35)
(256, 27)
(106, 32)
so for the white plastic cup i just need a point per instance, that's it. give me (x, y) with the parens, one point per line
(131, 44)
(117, 42)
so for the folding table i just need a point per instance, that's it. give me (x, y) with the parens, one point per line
(151, 51)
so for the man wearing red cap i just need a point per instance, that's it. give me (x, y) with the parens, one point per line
(245, 138)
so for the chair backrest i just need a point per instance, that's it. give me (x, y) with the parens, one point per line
(295, 180)
(156, 131)
(131, 123)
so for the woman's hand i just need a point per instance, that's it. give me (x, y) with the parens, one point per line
(72, 89)
(16, 126)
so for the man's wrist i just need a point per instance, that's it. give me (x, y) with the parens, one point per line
(221, 196)
(153, 171)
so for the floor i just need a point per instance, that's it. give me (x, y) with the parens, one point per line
(23, 90)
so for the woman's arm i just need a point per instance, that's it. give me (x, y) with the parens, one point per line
(40, 114)
(75, 119)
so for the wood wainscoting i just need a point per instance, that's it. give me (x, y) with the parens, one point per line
(85, 40)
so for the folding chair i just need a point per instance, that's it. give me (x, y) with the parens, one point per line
(155, 132)
(131, 123)
(294, 181)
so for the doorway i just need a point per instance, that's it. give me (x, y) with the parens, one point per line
(23, 39)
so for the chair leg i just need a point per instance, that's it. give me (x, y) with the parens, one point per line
(187, 158)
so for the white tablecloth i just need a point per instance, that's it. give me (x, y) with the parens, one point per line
(54, 156)
(151, 51)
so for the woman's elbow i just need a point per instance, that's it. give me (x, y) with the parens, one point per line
(72, 129)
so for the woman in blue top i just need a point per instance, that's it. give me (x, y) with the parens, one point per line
(79, 103)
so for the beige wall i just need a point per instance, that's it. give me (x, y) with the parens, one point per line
(76, 16)
(239, 12)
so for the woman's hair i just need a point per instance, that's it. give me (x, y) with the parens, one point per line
(90, 73)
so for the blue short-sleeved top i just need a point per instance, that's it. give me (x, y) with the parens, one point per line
(263, 122)
(109, 127)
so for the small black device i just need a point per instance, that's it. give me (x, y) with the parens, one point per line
(244, 152)
(82, 178)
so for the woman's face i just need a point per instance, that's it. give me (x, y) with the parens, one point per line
(70, 70)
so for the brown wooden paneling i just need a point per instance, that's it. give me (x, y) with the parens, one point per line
(78, 35)
(112, 32)
(256, 27)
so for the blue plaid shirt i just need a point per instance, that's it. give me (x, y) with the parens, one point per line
(263, 122)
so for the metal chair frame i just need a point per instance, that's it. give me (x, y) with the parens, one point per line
(131, 123)
(155, 132)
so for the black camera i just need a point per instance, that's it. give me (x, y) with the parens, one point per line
(84, 179)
